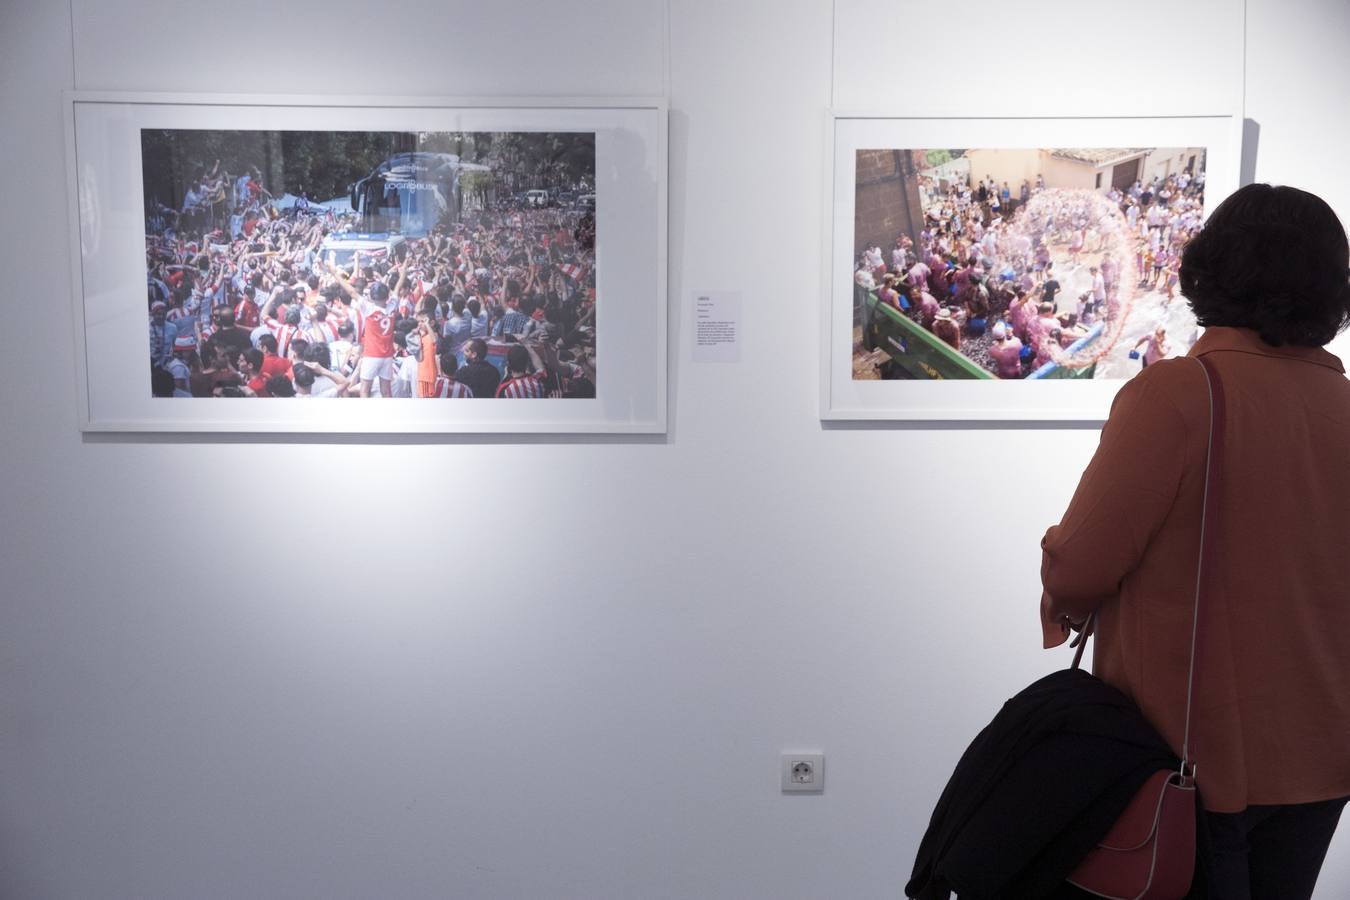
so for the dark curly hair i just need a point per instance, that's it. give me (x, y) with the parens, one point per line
(1272, 259)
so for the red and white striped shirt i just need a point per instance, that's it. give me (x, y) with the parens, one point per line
(526, 387)
(353, 315)
(324, 332)
(445, 389)
(284, 334)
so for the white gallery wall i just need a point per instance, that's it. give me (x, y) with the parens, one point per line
(553, 667)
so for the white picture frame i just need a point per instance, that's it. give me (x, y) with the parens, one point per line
(109, 270)
(844, 398)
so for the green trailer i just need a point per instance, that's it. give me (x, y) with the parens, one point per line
(916, 352)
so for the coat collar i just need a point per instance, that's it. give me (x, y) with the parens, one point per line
(1245, 340)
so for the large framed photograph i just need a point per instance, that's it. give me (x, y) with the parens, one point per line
(1009, 269)
(417, 265)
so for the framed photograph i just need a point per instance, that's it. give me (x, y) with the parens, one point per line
(418, 265)
(1009, 269)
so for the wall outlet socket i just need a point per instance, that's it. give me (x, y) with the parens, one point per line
(803, 773)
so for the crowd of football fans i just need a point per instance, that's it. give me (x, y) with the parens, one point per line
(244, 301)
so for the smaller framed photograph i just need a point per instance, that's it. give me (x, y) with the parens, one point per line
(316, 264)
(1005, 269)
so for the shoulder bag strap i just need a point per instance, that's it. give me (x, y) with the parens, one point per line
(1209, 518)
(1209, 540)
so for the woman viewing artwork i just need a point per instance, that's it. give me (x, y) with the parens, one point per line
(1267, 278)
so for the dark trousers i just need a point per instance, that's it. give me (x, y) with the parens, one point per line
(1268, 852)
(1261, 853)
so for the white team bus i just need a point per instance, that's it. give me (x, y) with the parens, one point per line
(405, 196)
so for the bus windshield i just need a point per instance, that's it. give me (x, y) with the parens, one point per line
(411, 208)
(411, 193)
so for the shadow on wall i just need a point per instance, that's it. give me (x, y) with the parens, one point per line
(1251, 136)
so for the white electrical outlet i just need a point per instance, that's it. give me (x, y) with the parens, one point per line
(803, 773)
